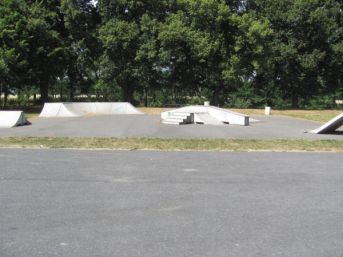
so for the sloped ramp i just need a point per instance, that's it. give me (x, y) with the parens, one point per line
(83, 109)
(10, 119)
(206, 118)
(56, 110)
(330, 126)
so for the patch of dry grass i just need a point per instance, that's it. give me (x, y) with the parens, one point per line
(153, 110)
(313, 115)
(320, 116)
(31, 115)
(174, 144)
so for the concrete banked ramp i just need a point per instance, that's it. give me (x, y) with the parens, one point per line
(10, 119)
(330, 126)
(205, 115)
(82, 109)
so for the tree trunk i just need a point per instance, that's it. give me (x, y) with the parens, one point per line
(128, 95)
(295, 101)
(0, 97)
(146, 96)
(71, 92)
(72, 81)
(6, 97)
(44, 92)
(61, 93)
(215, 96)
(128, 91)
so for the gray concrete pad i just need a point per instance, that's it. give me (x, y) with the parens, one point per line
(269, 127)
(119, 203)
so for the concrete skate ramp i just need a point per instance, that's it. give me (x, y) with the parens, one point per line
(82, 109)
(212, 115)
(330, 126)
(10, 119)
(206, 118)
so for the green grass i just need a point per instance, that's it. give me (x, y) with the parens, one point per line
(320, 116)
(31, 115)
(312, 115)
(174, 144)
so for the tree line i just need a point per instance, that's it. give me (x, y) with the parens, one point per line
(243, 53)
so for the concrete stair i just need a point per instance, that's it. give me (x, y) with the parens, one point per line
(179, 118)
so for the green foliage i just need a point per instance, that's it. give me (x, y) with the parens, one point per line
(80, 44)
(321, 102)
(31, 45)
(158, 52)
(304, 57)
(245, 97)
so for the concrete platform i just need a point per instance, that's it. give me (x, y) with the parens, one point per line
(269, 127)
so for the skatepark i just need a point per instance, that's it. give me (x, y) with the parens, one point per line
(181, 128)
(123, 120)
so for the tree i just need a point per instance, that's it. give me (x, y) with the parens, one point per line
(304, 45)
(123, 33)
(14, 65)
(206, 45)
(45, 53)
(32, 46)
(120, 40)
(81, 19)
(149, 69)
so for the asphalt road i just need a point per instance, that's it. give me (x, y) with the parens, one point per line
(118, 203)
(269, 127)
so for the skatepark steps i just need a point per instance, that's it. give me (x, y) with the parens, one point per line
(178, 118)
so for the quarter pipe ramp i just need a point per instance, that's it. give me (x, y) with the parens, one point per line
(83, 109)
(330, 126)
(10, 119)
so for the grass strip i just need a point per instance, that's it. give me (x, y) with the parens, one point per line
(312, 115)
(239, 145)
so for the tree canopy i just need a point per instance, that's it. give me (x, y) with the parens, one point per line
(240, 53)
